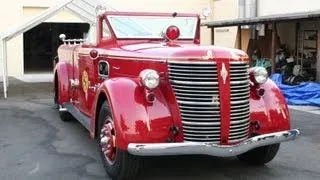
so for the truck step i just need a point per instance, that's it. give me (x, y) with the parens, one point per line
(83, 119)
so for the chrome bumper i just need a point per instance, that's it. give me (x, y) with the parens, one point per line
(189, 148)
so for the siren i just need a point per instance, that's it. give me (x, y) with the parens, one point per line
(172, 33)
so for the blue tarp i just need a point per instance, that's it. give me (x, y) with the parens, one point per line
(307, 93)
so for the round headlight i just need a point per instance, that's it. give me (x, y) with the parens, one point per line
(260, 74)
(149, 78)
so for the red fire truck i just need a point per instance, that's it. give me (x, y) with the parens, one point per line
(142, 85)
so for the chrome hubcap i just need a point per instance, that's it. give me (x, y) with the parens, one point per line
(108, 141)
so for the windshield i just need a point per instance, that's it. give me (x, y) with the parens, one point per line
(151, 26)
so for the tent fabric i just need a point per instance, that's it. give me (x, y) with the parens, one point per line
(307, 93)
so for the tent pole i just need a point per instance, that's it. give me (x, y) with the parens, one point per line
(4, 59)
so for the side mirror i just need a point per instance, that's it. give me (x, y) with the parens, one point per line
(62, 37)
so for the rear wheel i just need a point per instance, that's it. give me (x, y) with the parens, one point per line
(260, 155)
(119, 164)
(64, 114)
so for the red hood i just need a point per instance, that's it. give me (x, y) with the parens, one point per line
(182, 52)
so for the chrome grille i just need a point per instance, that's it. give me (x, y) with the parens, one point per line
(195, 85)
(240, 110)
(197, 92)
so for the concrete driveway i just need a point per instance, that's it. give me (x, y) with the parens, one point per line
(35, 144)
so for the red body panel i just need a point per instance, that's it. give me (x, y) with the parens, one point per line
(271, 110)
(138, 121)
(61, 72)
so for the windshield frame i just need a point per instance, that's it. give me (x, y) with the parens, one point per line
(151, 16)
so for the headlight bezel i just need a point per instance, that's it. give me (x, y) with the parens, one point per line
(148, 75)
(260, 75)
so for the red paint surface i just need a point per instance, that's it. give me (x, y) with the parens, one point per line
(136, 120)
(224, 94)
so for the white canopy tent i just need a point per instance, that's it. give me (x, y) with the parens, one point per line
(84, 9)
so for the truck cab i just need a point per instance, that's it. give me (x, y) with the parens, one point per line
(143, 85)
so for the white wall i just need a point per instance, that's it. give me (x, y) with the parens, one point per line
(223, 10)
(18, 11)
(269, 7)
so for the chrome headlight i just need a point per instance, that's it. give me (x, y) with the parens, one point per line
(260, 74)
(149, 78)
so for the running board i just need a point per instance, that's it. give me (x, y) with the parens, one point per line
(83, 119)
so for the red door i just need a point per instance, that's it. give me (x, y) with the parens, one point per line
(86, 76)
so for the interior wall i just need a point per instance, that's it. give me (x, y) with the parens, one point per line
(287, 34)
(15, 45)
(245, 37)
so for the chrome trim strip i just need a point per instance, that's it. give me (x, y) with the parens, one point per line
(244, 118)
(176, 86)
(195, 94)
(196, 78)
(237, 78)
(240, 106)
(237, 140)
(239, 93)
(173, 66)
(239, 62)
(195, 107)
(193, 82)
(212, 149)
(196, 91)
(235, 134)
(199, 103)
(239, 102)
(238, 126)
(210, 115)
(239, 82)
(239, 129)
(201, 127)
(200, 132)
(238, 137)
(194, 98)
(193, 62)
(238, 113)
(188, 70)
(196, 119)
(196, 112)
(203, 139)
(201, 123)
(186, 74)
(244, 71)
(246, 109)
(203, 136)
(239, 98)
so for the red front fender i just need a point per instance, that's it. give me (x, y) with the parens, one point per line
(61, 72)
(136, 120)
(271, 110)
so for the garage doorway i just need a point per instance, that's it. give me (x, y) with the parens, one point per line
(41, 43)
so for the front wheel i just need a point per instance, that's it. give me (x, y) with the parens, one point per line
(260, 155)
(119, 164)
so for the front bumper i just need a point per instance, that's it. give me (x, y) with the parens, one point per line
(190, 148)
